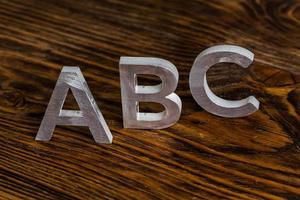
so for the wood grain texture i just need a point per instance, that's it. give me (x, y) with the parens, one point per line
(202, 156)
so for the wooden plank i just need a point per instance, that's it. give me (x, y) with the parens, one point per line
(202, 156)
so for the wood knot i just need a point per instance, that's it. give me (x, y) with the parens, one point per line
(11, 99)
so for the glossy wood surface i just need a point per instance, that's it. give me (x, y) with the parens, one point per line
(202, 156)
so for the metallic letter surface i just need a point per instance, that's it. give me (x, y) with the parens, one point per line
(88, 115)
(132, 93)
(202, 93)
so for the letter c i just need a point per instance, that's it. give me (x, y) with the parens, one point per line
(202, 93)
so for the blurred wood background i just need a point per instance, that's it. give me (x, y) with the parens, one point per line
(202, 156)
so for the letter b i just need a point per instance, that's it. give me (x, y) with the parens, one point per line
(163, 93)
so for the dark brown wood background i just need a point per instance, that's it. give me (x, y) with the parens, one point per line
(202, 156)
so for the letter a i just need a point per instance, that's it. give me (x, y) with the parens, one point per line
(88, 115)
(132, 93)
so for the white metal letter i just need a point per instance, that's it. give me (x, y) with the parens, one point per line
(202, 93)
(163, 93)
(88, 115)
